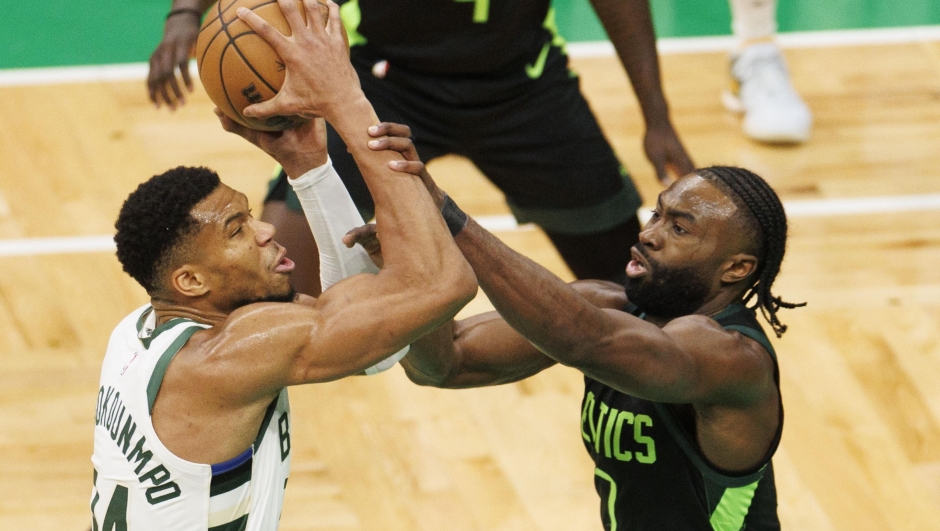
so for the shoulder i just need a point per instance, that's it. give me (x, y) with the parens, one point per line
(251, 323)
(742, 362)
(702, 333)
(601, 293)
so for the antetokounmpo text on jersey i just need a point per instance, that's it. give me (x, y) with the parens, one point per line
(113, 417)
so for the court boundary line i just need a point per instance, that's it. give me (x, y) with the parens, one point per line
(506, 223)
(673, 45)
(795, 39)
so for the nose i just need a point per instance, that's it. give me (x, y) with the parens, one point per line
(264, 231)
(649, 236)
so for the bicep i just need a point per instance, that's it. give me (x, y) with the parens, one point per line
(689, 360)
(262, 348)
(364, 319)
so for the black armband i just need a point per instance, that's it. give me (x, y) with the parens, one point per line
(455, 218)
(180, 11)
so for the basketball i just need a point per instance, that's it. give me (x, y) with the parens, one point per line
(237, 66)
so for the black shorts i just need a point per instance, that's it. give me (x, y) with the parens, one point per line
(535, 139)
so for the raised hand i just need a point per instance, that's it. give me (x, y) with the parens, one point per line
(319, 79)
(666, 153)
(298, 149)
(170, 57)
(368, 237)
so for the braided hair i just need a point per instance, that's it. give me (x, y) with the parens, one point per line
(764, 214)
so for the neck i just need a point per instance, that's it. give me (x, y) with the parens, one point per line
(713, 306)
(166, 310)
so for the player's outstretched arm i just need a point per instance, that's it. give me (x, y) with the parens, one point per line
(478, 351)
(629, 25)
(484, 350)
(172, 54)
(691, 359)
(425, 280)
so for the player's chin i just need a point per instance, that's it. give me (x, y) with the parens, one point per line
(282, 293)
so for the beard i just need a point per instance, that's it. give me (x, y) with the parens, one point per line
(287, 296)
(666, 292)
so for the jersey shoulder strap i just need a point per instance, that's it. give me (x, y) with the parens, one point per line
(165, 341)
(739, 318)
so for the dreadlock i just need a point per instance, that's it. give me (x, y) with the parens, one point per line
(770, 227)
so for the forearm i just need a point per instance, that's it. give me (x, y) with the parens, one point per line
(482, 350)
(608, 345)
(331, 213)
(412, 232)
(629, 26)
(535, 302)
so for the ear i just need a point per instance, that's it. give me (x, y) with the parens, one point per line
(189, 281)
(738, 267)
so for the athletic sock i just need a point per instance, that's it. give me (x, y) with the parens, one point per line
(753, 21)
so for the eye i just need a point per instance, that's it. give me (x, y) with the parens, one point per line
(237, 231)
(678, 229)
(655, 214)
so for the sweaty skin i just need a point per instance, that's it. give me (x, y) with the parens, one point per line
(217, 387)
(721, 382)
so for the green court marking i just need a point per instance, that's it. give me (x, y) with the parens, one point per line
(61, 33)
(696, 18)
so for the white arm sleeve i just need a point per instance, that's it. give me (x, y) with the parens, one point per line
(331, 213)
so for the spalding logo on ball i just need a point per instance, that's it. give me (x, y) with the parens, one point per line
(237, 66)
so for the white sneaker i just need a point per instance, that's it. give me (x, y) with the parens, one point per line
(773, 111)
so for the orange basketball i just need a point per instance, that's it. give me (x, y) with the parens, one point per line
(237, 66)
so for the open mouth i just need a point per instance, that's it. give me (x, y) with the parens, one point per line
(284, 264)
(637, 267)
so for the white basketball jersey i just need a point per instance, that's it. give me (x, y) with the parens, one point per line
(141, 486)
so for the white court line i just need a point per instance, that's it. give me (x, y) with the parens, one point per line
(674, 45)
(64, 245)
(506, 223)
(796, 39)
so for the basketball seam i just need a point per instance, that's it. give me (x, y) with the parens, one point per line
(218, 10)
(221, 77)
(208, 45)
(240, 54)
(249, 65)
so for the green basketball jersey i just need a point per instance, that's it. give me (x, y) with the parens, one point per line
(650, 473)
(451, 37)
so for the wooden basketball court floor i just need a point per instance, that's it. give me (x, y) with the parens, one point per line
(860, 365)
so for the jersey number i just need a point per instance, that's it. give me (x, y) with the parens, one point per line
(611, 497)
(481, 10)
(115, 518)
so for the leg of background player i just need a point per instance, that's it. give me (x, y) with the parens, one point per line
(602, 255)
(773, 111)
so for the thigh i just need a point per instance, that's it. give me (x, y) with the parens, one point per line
(392, 103)
(547, 153)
